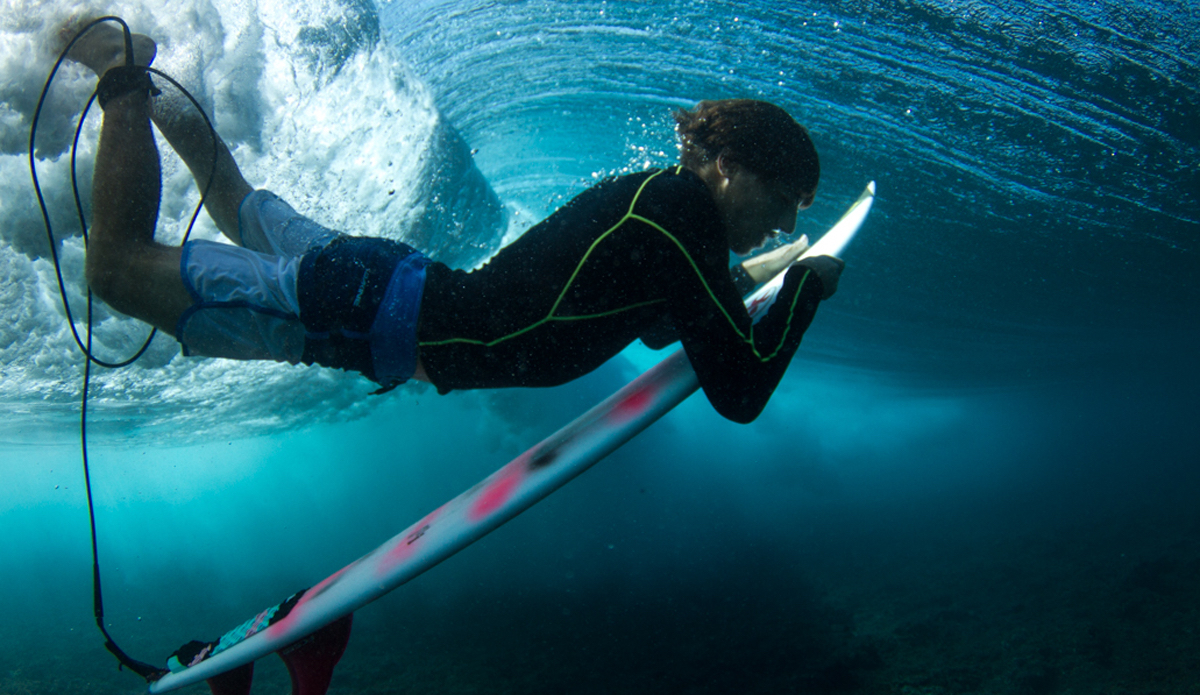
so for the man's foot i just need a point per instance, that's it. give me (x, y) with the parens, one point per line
(103, 46)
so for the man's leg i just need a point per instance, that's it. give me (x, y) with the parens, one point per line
(192, 140)
(103, 47)
(239, 303)
(125, 266)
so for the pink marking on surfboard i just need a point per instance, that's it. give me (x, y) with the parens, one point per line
(407, 545)
(498, 491)
(284, 626)
(633, 405)
(760, 303)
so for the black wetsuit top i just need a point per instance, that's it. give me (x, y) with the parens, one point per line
(622, 261)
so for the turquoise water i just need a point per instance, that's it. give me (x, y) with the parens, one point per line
(978, 476)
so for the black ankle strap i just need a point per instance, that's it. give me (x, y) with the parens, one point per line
(122, 80)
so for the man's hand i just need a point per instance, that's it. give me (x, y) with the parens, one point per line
(768, 265)
(828, 269)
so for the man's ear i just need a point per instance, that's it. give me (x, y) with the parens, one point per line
(725, 166)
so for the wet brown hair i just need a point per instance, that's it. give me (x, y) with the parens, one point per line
(755, 134)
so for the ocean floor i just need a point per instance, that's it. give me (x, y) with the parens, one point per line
(1106, 607)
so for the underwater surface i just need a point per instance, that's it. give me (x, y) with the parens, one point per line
(979, 475)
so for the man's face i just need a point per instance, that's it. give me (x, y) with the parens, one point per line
(752, 209)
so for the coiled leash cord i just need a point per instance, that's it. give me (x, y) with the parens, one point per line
(117, 81)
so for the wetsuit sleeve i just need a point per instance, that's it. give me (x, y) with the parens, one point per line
(740, 365)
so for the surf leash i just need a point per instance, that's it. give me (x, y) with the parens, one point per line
(116, 81)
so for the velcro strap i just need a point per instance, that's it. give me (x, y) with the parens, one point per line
(122, 80)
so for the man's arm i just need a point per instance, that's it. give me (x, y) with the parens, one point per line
(746, 276)
(738, 363)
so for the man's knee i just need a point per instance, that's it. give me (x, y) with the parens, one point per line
(139, 280)
(105, 278)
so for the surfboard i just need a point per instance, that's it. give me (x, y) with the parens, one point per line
(468, 517)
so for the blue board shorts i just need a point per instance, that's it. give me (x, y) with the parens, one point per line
(298, 292)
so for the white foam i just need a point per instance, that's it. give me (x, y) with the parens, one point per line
(343, 142)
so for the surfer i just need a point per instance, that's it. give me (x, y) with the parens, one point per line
(638, 256)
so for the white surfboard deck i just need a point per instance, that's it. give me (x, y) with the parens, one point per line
(500, 497)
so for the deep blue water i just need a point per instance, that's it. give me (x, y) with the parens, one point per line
(979, 475)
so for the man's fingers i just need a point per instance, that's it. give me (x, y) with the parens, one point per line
(828, 269)
(797, 247)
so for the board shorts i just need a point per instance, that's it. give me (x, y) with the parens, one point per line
(298, 292)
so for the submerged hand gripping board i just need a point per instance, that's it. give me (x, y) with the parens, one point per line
(503, 495)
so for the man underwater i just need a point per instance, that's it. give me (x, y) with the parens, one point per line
(642, 256)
